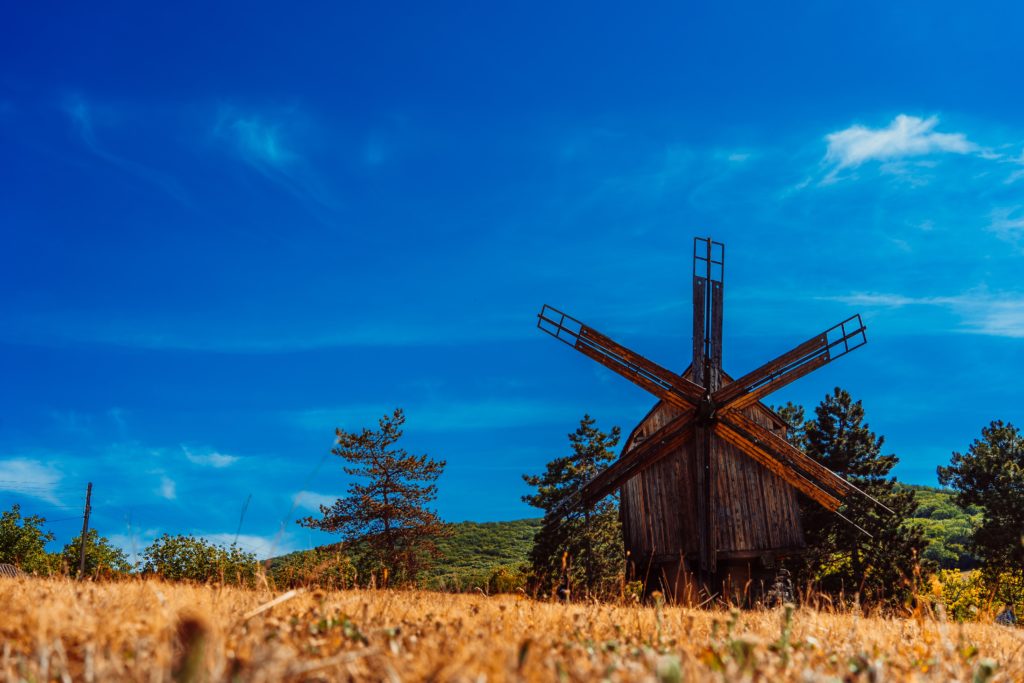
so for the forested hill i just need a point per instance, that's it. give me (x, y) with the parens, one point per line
(947, 527)
(476, 549)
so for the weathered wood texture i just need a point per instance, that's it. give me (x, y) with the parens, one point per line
(753, 511)
(699, 325)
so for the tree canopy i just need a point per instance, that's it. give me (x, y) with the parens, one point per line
(23, 541)
(883, 563)
(385, 520)
(188, 558)
(990, 476)
(581, 547)
(100, 556)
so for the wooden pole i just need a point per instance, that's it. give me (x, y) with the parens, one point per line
(85, 530)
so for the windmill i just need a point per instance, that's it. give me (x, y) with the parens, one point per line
(707, 480)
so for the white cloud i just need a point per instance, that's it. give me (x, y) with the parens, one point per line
(167, 488)
(979, 311)
(267, 145)
(211, 459)
(259, 142)
(1008, 223)
(311, 500)
(906, 136)
(30, 477)
(134, 543)
(262, 546)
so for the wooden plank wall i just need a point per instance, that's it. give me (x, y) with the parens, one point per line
(755, 510)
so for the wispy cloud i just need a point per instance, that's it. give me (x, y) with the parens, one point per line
(167, 488)
(210, 459)
(259, 142)
(262, 546)
(30, 477)
(906, 136)
(979, 312)
(311, 500)
(82, 117)
(265, 144)
(1008, 223)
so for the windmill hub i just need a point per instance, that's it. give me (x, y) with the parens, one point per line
(706, 409)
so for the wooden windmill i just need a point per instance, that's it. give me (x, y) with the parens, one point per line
(707, 480)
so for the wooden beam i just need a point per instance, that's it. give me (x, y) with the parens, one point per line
(784, 471)
(835, 342)
(636, 378)
(699, 327)
(797, 457)
(763, 436)
(796, 373)
(631, 361)
(715, 324)
(705, 515)
(641, 456)
(742, 385)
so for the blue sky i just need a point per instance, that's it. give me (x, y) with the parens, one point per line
(228, 230)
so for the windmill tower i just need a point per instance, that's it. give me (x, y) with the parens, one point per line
(707, 480)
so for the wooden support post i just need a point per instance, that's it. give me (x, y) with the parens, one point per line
(85, 531)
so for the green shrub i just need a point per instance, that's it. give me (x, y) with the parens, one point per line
(187, 558)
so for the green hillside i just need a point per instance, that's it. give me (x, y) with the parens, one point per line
(947, 527)
(475, 550)
(469, 556)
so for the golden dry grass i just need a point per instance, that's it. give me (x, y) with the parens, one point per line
(154, 631)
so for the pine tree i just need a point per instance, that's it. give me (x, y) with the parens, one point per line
(385, 522)
(991, 476)
(584, 547)
(841, 557)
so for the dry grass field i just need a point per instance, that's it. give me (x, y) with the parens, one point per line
(154, 631)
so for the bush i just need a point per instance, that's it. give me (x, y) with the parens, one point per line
(101, 558)
(187, 558)
(23, 542)
(971, 596)
(506, 580)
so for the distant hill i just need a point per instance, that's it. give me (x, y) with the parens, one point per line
(470, 554)
(476, 549)
(947, 527)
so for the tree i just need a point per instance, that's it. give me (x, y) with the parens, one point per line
(991, 476)
(385, 523)
(100, 556)
(187, 558)
(23, 541)
(884, 566)
(581, 547)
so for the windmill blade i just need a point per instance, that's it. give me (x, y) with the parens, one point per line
(708, 280)
(661, 382)
(650, 451)
(771, 442)
(645, 454)
(833, 343)
(783, 470)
